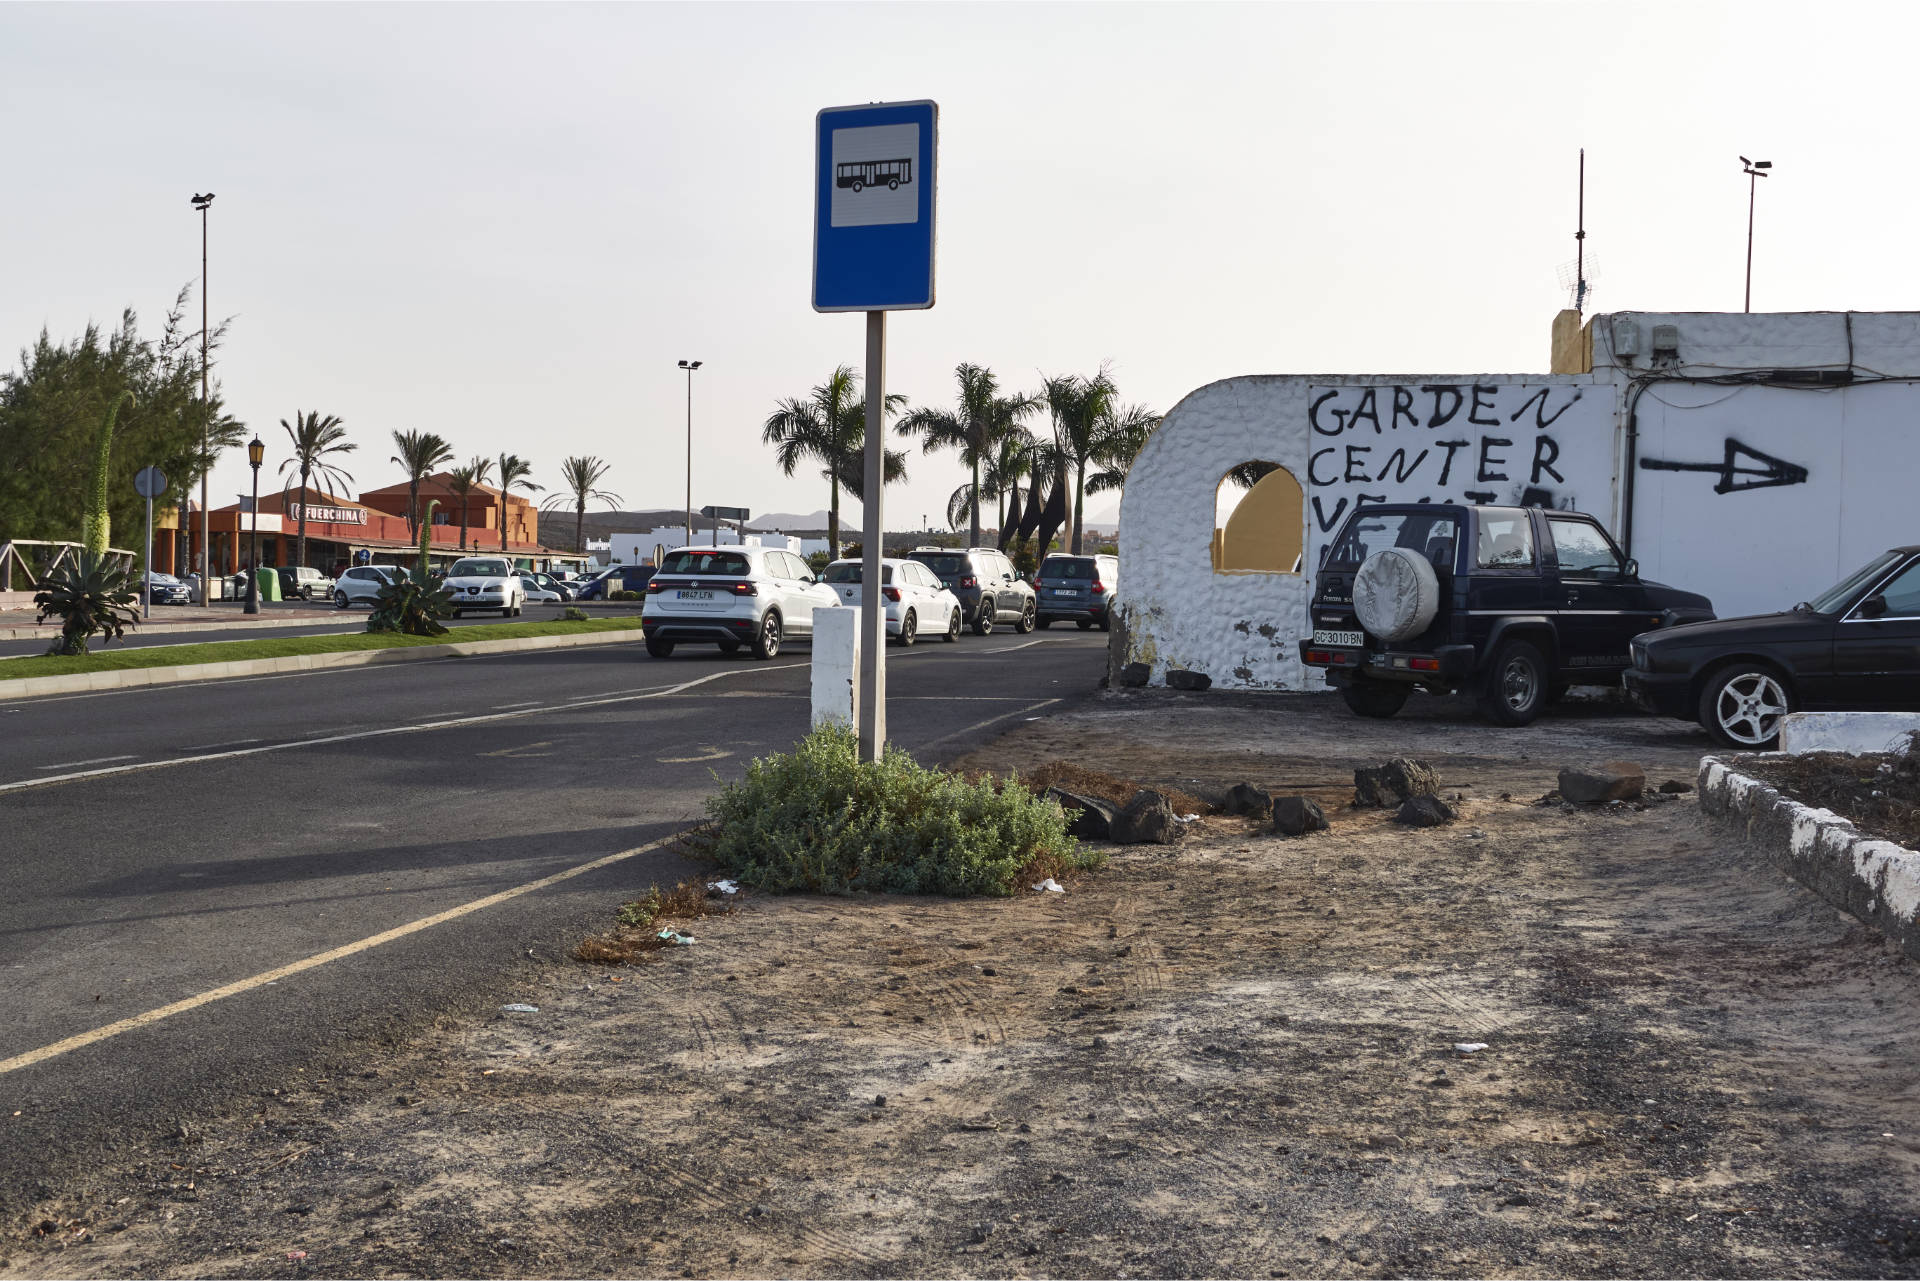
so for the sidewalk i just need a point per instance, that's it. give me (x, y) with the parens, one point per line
(19, 624)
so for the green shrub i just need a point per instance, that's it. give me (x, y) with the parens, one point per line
(89, 596)
(625, 595)
(817, 820)
(573, 615)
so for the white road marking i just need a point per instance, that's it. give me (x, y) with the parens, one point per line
(450, 723)
(98, 760)
(501, 707)
(712, 754)
(214, 747)
(150, 1017)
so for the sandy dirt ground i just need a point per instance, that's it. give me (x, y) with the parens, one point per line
(1232, 1056)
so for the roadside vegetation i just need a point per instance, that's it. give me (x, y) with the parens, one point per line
(287, 646)
(817, 820)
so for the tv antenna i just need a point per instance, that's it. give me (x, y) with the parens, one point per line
(1576, 277)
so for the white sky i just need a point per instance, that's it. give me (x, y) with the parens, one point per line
(506, 223)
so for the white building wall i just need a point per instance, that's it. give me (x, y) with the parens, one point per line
(636, 549)
(1489, 438)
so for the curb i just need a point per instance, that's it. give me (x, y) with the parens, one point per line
(139, 677)
(48, 632)
(1874, 880)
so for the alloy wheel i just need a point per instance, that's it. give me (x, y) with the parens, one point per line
(1749, 708)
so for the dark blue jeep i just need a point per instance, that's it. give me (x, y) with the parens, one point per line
(1513, 604)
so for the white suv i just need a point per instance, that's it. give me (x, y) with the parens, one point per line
(730, 597)
(916, 601)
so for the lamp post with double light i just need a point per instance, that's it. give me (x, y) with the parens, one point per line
(689, 366)
(1755, 171)
(255, 453)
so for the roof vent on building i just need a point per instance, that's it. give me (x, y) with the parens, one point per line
(1666, 342)
(1626, 338)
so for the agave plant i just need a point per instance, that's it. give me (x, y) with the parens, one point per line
(413, 606)
(89, 597)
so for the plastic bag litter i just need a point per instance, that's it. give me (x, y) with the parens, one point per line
(521, 1009)
(723, 887)
(1050, 886)
(1186, 818)
(1469, 1047)
(674, 938)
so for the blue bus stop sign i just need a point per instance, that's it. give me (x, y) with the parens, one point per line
(874, 170)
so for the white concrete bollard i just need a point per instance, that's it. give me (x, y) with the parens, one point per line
(836, 666)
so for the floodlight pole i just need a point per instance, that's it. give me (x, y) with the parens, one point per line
(873, 606)
(204, 203)
(1755, 171)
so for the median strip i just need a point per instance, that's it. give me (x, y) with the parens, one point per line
(214, 660)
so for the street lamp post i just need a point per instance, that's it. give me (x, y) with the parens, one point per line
(689, 366)
(1755, 170)
(203, 203)
(255, 452)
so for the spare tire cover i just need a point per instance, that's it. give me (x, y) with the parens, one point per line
(1395, 594)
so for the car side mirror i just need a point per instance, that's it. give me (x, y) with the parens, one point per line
(1631, 573)
(1873, 606)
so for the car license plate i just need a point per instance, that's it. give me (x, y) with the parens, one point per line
(1066, 591)
(686, 595)
(1352, 639)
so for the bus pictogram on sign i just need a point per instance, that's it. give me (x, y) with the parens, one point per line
(861, 174)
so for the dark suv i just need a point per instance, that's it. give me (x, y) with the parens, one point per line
(1512, 603)
(989, 590)
(1078, 589)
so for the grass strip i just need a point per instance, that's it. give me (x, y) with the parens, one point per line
(240, 651)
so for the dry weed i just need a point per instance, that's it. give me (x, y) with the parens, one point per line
(638, 927)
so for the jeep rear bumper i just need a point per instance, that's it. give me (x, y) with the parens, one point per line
(1444, 665)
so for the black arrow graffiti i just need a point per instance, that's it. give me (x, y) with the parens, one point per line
(1770, 472)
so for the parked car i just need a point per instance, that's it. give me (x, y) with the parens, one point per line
(304, 582)
(1854, 647)
(730, 597)
(550, 583)
(165, 589)
(620, 578)
(359, 585)
(530, 585)
(916, 600)
(984, 582)
(1513, 604)
(485, 582)
(1078, 589)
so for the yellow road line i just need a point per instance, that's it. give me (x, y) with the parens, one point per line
(367, 944)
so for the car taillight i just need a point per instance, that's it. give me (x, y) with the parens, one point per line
(1099, 588)
(656, 587)
(891, 593)
(970, 581)
(745, 589)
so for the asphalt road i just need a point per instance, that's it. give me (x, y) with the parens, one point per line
(162, 843)
(299, 620)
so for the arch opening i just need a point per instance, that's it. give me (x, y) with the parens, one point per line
(1259, 522)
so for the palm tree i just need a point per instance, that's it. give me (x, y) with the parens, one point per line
(1079, 406)
(420, 452)
(514, 470)
(1009, 462)
(314, 438)
(981, 415)
(463, 480)
(1122, 433)
(579, 478)
(829, 425)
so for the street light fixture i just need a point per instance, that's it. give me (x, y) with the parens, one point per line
(203, 203)
(255, 453)
(689, 366)
(1755, 170)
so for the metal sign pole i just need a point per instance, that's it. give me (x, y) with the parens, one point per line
(873, 606)
(146, 573)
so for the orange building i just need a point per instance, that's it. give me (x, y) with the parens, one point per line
(339, 530)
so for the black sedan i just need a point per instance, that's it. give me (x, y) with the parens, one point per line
(1855, 647)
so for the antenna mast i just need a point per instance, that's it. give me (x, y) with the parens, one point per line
(1580, 242)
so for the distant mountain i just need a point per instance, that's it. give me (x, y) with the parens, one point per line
(793, 520)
